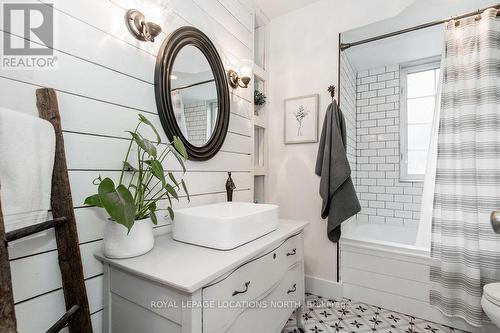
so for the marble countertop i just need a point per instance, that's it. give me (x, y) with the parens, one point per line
(187, 267)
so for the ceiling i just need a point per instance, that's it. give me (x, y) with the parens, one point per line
(275, 8)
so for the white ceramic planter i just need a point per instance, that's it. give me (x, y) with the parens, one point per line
(119, 245)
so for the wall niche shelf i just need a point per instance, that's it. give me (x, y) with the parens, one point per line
(261, 112)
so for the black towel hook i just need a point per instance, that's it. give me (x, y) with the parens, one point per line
(331, 90)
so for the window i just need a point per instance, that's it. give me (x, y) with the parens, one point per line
(419, 84)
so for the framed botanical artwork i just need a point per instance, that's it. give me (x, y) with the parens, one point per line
(301, 119)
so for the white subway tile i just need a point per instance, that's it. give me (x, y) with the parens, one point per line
(403, 214)
(403, 198)
(376, 204)
(369, 79)
(385, 92)
(386, 167)
(386, 76)
(392, 83)
(377, 100)
(377, 115)
(395, 190)
(392, 98)
(385, 121)
(385, 182)
(377, 85)
(385, 197)
(413, 191)
(394, 205)
(385, 212)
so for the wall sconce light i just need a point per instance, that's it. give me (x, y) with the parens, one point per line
(243, 79)
(137, 25)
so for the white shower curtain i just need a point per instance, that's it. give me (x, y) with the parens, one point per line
(426, 207)
(464, 248)
(178, 106)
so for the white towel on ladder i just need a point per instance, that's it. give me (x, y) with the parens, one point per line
(27, 148)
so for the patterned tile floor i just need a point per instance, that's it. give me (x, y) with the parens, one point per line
(322, 315)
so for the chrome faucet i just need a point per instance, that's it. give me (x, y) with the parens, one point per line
(230, 187)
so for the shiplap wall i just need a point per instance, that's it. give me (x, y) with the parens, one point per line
(104, 79)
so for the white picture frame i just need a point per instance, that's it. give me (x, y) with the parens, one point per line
(301, 119)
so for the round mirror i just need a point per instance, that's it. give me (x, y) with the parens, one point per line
(194, 95)
(191, 92)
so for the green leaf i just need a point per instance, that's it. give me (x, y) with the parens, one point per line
(157, 170)
(145, 144)
(179, 159)
(153, 217)
(172, 178)
(128, 167)
(93, 200)
(152, 213)
(171, 191)
(185, 189)
(139, 193)
(169, 199)
(179, 146)
(118, 202)
(147, 122)
(171, 213)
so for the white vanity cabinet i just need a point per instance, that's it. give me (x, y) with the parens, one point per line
(185, 288)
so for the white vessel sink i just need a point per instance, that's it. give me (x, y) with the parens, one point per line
(224, 225)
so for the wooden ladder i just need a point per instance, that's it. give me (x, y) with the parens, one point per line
(77, 316)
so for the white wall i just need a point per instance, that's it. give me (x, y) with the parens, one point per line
(303, 60)
(104, 80)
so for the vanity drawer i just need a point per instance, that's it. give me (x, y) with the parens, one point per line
(251, 281)
(279, 305)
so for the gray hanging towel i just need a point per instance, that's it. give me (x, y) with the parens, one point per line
(336, 188)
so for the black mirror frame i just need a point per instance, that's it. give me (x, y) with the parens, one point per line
(164, 62)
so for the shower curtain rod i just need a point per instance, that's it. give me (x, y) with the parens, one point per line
(345, 46)
(193, 84)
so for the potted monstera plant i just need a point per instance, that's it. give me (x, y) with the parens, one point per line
(143, 190)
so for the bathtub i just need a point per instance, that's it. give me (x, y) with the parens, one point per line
(388, 266)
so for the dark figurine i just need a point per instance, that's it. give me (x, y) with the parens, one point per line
(230, 187)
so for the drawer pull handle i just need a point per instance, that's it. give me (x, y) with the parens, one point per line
(294, 289)
(294, 252)
(236, 292)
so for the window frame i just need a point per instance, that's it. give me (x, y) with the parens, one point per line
(406, 69)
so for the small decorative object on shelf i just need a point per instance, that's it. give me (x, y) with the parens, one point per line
(133, 203)
(259, 98)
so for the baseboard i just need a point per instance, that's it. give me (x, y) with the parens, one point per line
(325, 288)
